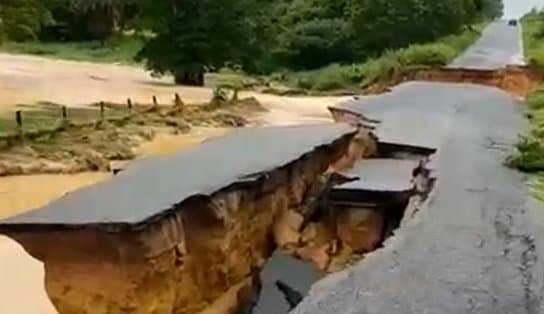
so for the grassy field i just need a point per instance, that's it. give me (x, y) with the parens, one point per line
(120, 49)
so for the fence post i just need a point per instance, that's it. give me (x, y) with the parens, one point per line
(235, 94)
(102, 111)
(19, 121)
(129, 105)
(178, 103)
(64, 114)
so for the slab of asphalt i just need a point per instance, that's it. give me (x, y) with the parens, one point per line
(152, 187)
(474, 247)
(381, 175)
(499, 46)
(296, 274)
(407, 115)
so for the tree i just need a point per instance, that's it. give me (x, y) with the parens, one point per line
(386, 24)
(22, 20)
(85, 19)
(193, 36)
(312, 34)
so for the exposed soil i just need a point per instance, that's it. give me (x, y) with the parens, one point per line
(516, 80)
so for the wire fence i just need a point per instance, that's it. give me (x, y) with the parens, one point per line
(32, 121)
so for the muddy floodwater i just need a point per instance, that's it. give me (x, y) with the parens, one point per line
(22, 286)
(22, 193)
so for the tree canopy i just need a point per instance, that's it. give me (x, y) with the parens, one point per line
(193, 36)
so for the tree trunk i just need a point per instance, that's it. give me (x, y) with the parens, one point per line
(191, 79)
(99, 23)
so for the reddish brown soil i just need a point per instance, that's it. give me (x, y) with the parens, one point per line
(516, 80)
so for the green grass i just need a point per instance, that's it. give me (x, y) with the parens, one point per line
(528, 154)
(538, 186)
(533, 35)
(120, 49)
(383, 68)
(230, 78)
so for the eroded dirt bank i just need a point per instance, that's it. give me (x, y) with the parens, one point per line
(516, 80)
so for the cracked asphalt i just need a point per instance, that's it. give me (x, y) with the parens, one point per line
(475, 246)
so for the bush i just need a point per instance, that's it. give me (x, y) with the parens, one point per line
(376, 70)
(533, 35)
(528, 155)
(334, 76)
(535, 100)
(430, 54)
(387, 66)
(22, 19)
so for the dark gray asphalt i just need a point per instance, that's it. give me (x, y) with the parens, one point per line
(417, 114)
(500, 45)
(297, 274)
(154, 186)
(381, 175)
(475, 245)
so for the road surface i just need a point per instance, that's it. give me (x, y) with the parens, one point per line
(476, 245)
(500, 45)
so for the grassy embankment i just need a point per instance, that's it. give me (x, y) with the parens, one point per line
(528, 155)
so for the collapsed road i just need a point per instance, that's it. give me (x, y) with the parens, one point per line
(174, 234)
(192, 232)
(475, 245)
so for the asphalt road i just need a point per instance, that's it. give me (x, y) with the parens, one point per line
(500, 45)
(152, 187)
(475, 246)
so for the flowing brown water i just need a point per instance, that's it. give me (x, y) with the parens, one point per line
(21, 277)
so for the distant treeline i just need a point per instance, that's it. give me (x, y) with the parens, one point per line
(189, 37)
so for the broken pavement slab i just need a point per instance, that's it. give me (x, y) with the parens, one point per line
(414, 114)
(175, 233)
(294, 273)
(381, 175)
(150, 188)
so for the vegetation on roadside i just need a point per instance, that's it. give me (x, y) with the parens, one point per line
(533, 35)
(528, 154)
(118, 49)
(385, 67)
(188, 38)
